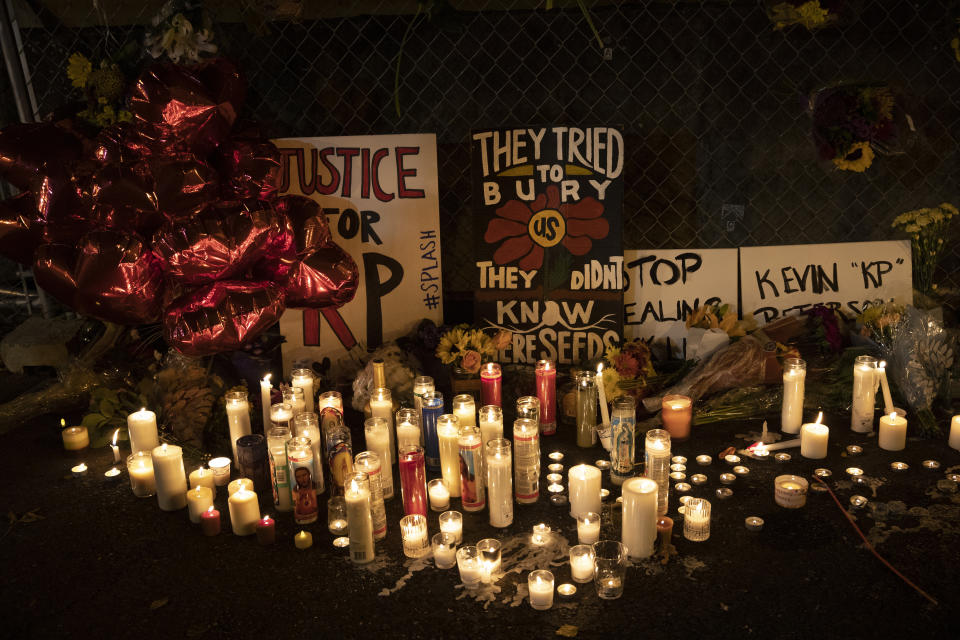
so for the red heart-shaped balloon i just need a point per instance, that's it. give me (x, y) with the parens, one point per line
(249, 166)
(39, 157)
(327, 277)
(19, 228)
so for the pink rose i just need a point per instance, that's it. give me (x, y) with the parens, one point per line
(471, 361)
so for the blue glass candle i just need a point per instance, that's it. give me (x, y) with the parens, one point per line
(432, 408)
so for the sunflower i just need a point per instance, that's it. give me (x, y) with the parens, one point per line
(451, 346)
(858, 158)
(78, 70)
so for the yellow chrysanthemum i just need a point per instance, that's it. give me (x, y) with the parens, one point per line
(812, 14)
(611, 354)
(78, 70)
(858, 158)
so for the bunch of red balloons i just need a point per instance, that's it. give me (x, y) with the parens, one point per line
(173, 217)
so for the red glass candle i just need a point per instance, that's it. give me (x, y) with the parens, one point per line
(266, 531)
(547, 394)
(413, 480)
(491, 383)
(210, 522)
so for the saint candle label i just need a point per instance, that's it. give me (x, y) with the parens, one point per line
(548, 266)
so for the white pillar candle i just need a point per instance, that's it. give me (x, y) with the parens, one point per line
(202, 478)
(893, 432)
(794, 378)
(588, 528)
(303, 378)
(377, 434)
(864, 391)
(170, 476)
(265, 389)
(381, 406)
(142, 431)
(465, 409)
(439, 495)
(239, 483)
(885, 387)
(244, 512)
(584, 484)
(448, 433)
(359, 519)
(199, 499)
(238, 417)
(954, 439)
(540, 586)
(813, 439)
(639, 516)
(499, 464)
(491, 423)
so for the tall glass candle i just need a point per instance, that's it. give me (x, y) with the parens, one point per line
(465, 409)
(794, 378)
(381, 406)
(528, 408)
(330, 399)
(277, 439)
(142, 431)
(583, 481)
(656, 453)
(696, 520)
(281, 415)
(586, 409)
(472, 494)
(369, 463)
(238, 417)
(253, 462)
(293, 396)
(546, 381)
(140, 468)
(338, 446)
(171, 478)
(408, 429)
(413, 480)
(491, 423)
(421, 385)
(413, 533)
(244, 512)
(864, 394)
(526, 461)
(892, 435)
(676, 412)
(431, 408)
(639, 531)
(303, 379)
(302, 471)
(378, 440)
(499, 464)
(359, 517)
(491, 384)
(623, 422)
(265, 398)
(448, 433)
(307, 425)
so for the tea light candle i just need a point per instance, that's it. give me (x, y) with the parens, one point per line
(79, 470)
(75, 438)
(698, 479)
(954, 440)
(210, 522)
(265, 401)
(678, 467)
(704, 460)
(556, 456)
(554, 478)
(813, 439)
(202, 478)
(604, 494)
(581, 563)
(566, 590)
(244, 512)
(822, 473)
(931, 464)
(584, 482)
(112, 474)
(854, 472)
(239, 483)
(754, 523)
(677, 476)
(731, 459)
(741, 470)
(170, 477)
(199, 499)
(588, 528)
(782, 457)
(790, 491)
(341, 542)
(723, 493)
(727, 478)
(266, 531)
(603, 465)
(540, 586)
(555, 468)
(220, 468)
(413, 532)
(541, 534)
(854, 450)
(452, 522)
(142, 431)
(439, 495)
(678, 460)
(899, 466)
(893, 432)
(304, 540)
(760, 451)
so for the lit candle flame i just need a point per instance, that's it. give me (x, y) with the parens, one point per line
(210, 509)
(600, 369)
(115, 434)
(63, 422)
(893, 416)
(819, 417)
(882, 365)
(266, 378)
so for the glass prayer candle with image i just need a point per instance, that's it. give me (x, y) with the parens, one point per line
(378, 440)
(238, 417)
(656, 450)
(491, 383)
(369, 463)
(465, 409)
(586, 408)
(448, 435)
(307, 425)
(623, 422)
(431, 409)
(302, 472)
(408, 429)
(413, 480)
(864, 394)
(359, 518)
(472, 494)
(491, 423)
(794, 379)
(277, 438)
(526, 461)
(140, 468)
(546, 382)
(676, 412)
(338, 446)
(303, 379)
(293, 396)
(499, 465)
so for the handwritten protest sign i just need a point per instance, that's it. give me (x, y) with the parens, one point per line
(549, 256)
(380, 196)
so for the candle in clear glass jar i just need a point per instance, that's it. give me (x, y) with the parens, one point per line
(244, 512)
(307, 425)
(359, 519)
(588, 528)
(303, 379)
(293, 396)
(623, 423)
(586, 409)
(421, 386)
(452, 523)
(892, 435)
(140, 468)
(546, 382)
(528, 408)
(656, 451)
(431, 408)
(676, 412)
(330, 399)
(199, 499)
(583, 481)
(794, 378)
(413, 533)
(381, 406)
(75, 438)
(369, 463)
(444, 550)
(490, 559)
(413, 480)
(491, 383)
(499, 463)
(170, 477)
(302, 471)
(469, 563)
(696, 520)
(526, 461)
(581, 563)
(540, 587)
(465, 409)
(491, 423)
(864, 394)
(448, 434)
(238, 417)
(142, 431)
(277, 438)
(438, 494)
(472, 494)
(281, 415)
(408, 428)
(378, 440)
(639, 531)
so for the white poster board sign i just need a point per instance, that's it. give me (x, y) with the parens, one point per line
(380, 196)
(664, 286)
(849, 276)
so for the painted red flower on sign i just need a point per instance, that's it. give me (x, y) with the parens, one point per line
(525, 229)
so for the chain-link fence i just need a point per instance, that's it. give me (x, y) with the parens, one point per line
(712, 98)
